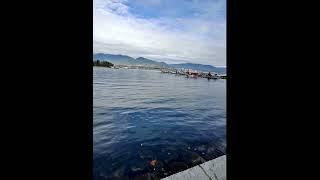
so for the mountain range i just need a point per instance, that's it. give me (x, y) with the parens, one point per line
(127, 60)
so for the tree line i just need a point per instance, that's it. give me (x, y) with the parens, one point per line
(102, 63)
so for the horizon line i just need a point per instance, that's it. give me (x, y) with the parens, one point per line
(217, 66)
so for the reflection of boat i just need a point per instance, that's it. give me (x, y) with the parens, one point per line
(191, 76)
(212, 77)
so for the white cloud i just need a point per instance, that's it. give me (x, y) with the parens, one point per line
(117, 31)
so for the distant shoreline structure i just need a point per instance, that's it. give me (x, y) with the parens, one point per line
(188, 73)
(124, 60)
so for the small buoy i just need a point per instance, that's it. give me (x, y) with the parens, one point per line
(168, 153)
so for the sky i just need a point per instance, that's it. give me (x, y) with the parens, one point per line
(171, 31)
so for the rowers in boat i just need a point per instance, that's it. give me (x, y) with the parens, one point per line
(192, 74)
(210, 76)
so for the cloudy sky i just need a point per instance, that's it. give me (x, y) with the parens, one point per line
(172, 31)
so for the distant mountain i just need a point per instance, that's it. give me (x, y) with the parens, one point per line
(127, 60)
(199, 67)
(115, 59)
(145, 61)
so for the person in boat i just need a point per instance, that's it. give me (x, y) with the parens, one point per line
(188, 73)
(210, 75)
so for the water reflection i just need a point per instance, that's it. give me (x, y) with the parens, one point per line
(148, 125)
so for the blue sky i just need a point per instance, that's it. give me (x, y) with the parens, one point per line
(173, 31)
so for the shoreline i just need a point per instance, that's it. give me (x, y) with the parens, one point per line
(214, 169)
(193, 75)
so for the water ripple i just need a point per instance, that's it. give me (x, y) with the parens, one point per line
(144, 115)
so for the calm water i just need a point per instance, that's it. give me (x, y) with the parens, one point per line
(144, 115)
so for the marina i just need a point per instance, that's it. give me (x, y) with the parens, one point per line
(188, 73)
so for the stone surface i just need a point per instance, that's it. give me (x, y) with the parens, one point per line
(194, 173)
(211, 170)
(216, 168)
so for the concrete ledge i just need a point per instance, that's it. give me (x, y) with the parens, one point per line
(216, 168)
(211, 170)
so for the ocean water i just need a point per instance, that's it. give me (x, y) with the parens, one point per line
(149, 125)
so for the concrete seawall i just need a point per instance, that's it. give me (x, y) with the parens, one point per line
(211, 170)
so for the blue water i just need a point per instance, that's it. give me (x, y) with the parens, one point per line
(145, 115)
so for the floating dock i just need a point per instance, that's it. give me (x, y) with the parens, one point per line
(195, 74)
(211, 170)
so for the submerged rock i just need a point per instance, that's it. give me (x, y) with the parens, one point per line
(120, 172)
(211, 150)
(146, 176)
(177, 166)
(196, 159)
(222, 146)
(138, 168)
(214, 150)
(159, 165)
(159, 169)
(153, 162)
(201, 148)
(120, 178)
(146, 154)
(135, 169)
(170, 157)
